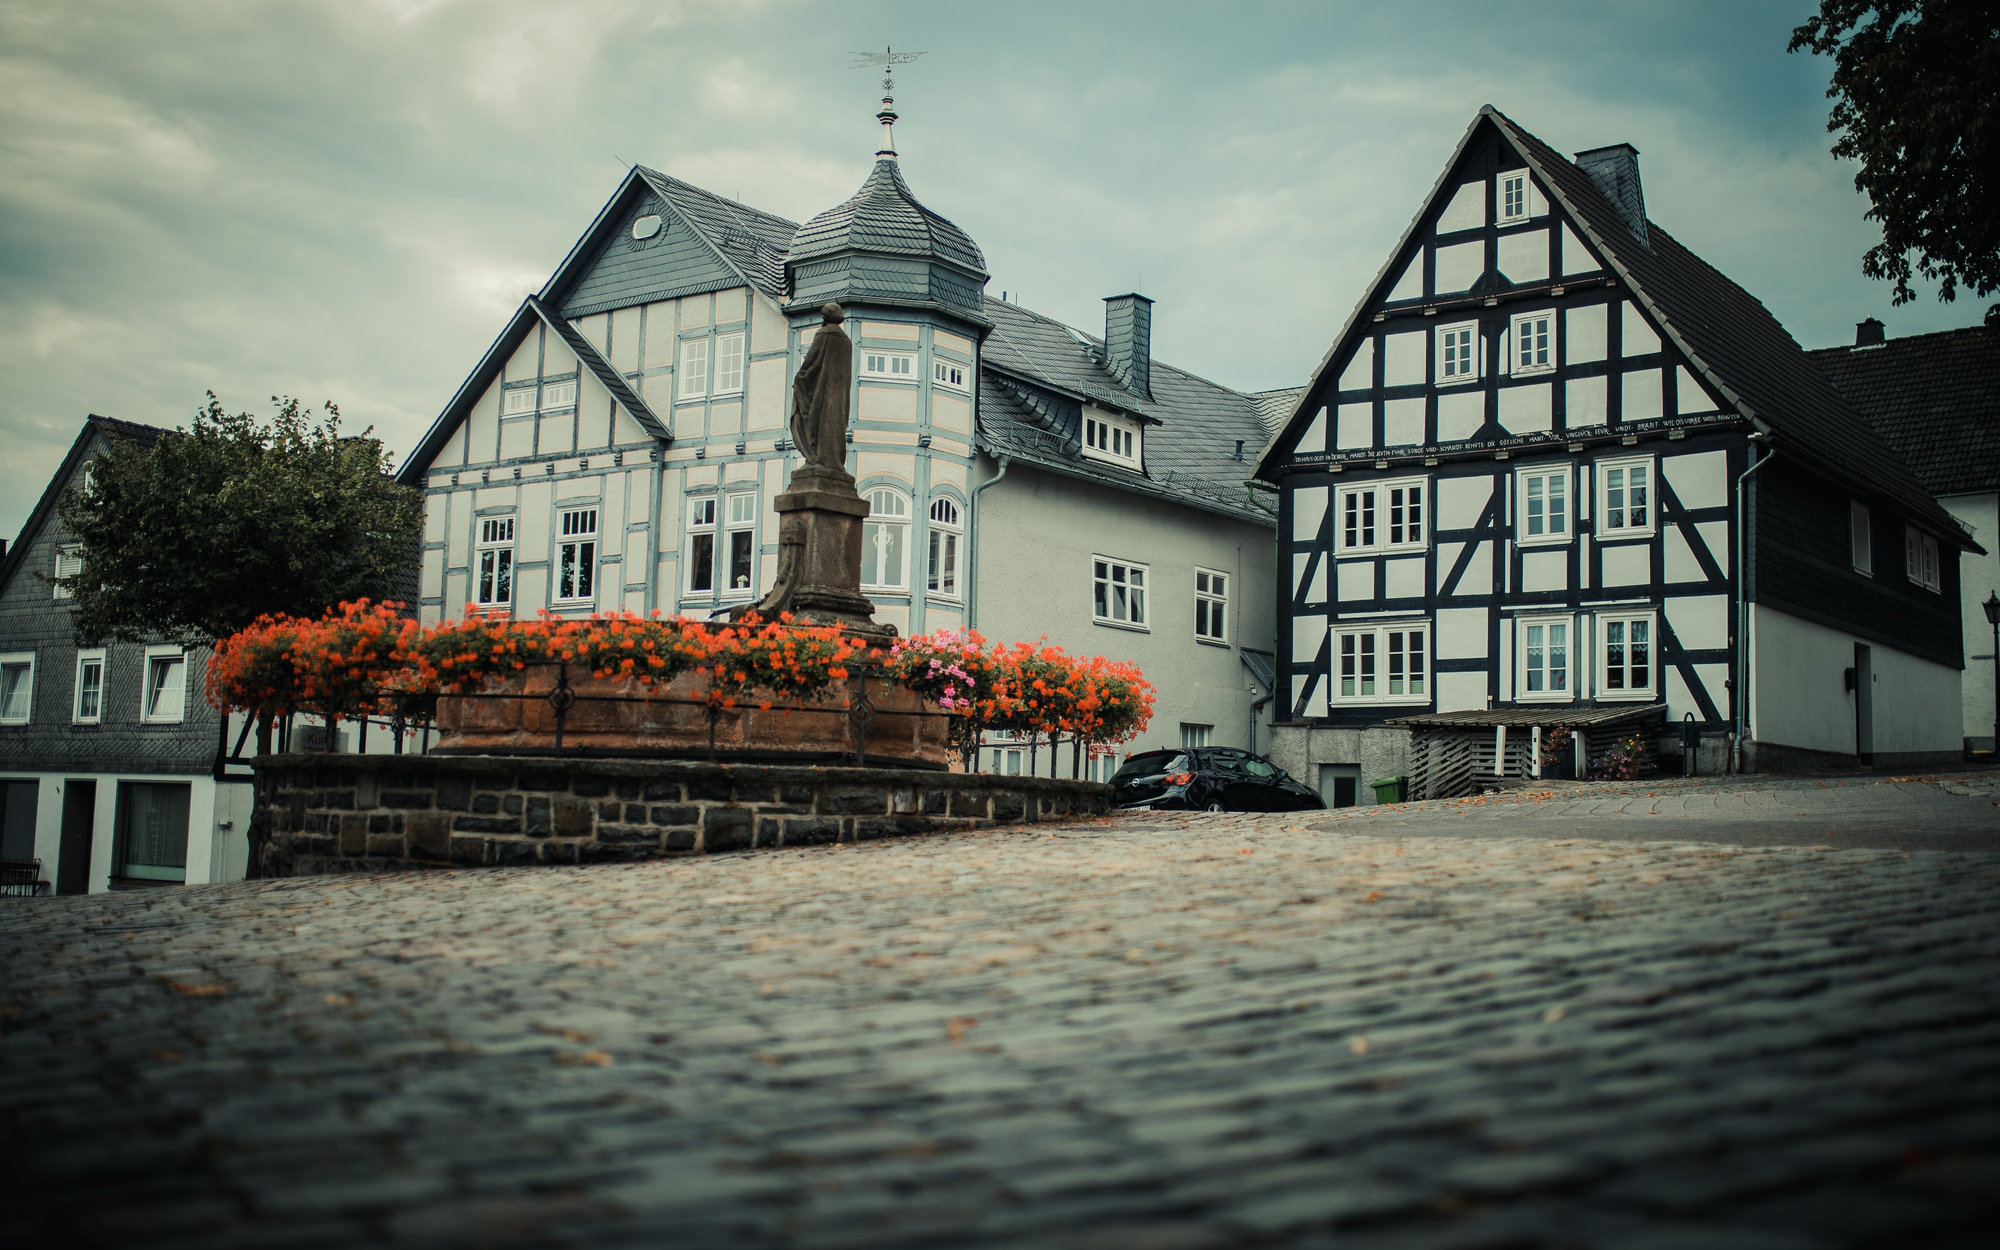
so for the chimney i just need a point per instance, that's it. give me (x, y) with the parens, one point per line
(1615, 170)
(1128, 340)
(1868, 333)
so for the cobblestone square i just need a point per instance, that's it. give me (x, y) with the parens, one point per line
(1736, 1013)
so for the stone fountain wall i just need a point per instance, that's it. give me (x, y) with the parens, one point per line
(371, 813)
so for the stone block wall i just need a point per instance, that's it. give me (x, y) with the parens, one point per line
(360, 813)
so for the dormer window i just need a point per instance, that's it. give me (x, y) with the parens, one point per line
(1110, 437)
(1514, 196)
(889, 366)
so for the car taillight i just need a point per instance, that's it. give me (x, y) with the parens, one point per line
(1179, 779)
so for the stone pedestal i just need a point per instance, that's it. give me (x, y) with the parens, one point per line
(819, 557)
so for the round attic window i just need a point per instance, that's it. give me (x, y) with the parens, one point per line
(646, 227)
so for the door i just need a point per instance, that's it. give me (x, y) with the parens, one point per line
(79, 816)
(1864, 704)
(1340, 784)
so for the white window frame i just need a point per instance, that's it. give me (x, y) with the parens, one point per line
(943, 573)
(1194, 737)
(1614, 519)
(559, 395)
(1501, 214)
(89, 657)
(496, 536)
(1860, 539)
(1626, 692)
(739, 530)
(517, 401)
(1445, 371)
(693, 369)
(876, 532)
(1534, 634)
(883, 365)
(69, 563)
(952, 375)
(702, 514)
(1524, 517)
(1119, 590)
(730, 364)
(1921, 563)
(25, 659)
(1211, 606)
(1521, 333)
(575, 581)
(1379, 653)
(1378, 512)
(1112, 438)
(150, 710)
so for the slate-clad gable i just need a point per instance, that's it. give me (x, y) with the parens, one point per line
(626, 271)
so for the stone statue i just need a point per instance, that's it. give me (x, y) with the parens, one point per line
(819, 394)
(820, 515)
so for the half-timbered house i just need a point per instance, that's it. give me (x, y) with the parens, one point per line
(1558, 473)
(622, 441)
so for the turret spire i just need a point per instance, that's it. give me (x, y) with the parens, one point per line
(887, 59)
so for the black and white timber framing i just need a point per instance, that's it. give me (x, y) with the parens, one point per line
(1513, 481)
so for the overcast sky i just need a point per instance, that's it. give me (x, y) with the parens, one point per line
(343, 199)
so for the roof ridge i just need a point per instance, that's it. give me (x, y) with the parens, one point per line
(1970, 331)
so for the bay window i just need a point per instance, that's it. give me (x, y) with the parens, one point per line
(944, 532)
(885, 541)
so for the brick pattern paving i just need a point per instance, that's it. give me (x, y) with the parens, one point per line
(1145, 1031)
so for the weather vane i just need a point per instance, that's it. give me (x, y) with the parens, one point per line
(886, 60)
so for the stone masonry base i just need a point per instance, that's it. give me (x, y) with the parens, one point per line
(371, 813)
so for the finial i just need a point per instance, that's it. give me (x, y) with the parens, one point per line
(887, 59)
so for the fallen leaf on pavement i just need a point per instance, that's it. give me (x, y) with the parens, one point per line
(958, 1026)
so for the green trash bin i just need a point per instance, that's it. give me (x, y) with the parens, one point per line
(1389, 789)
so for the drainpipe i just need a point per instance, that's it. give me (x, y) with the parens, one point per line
(1255, 708)
(972, 547)
(1742, 600)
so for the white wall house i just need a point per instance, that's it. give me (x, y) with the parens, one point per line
(1557, 472)
(1935, 398)
(621, 443)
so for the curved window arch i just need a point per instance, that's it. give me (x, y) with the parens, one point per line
(885, 540)
(944, 534)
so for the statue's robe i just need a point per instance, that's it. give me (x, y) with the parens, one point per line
(820, 394)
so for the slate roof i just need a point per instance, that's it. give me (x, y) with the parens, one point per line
(1036, 372)
(884, 216)
(1935, 398)
(1273, 407)
(45, 507)
(1730, 338)
(753, 241)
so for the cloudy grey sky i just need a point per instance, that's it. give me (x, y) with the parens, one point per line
(344, 198)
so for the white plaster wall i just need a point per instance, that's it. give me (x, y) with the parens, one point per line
(1037, 535)
(1799, 698)
(1979, 576)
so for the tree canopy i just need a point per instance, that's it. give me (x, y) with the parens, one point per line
(193, 535)
(1916, 100)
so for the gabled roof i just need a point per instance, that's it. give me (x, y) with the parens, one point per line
(531, 313)
(1035, 372)
(1935, 398)
(45, 507)
(1729, 338)
(885, 216)
(753, 241)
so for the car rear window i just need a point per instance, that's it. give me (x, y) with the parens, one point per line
(1148, 764)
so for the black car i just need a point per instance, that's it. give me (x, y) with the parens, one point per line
(1208, 779)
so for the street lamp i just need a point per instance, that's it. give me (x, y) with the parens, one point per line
(1992, 606)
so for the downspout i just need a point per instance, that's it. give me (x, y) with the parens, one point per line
(1742, 600)
(972, 547)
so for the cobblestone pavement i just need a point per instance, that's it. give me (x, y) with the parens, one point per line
(1391, 1027)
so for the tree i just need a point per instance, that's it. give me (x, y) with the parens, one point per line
(196, 534)
(1916, 92)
